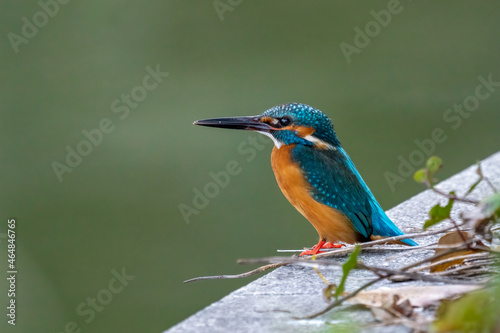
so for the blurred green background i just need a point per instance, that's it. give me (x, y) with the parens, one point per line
(119, 208)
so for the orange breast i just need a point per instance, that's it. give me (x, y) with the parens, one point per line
(331, 224)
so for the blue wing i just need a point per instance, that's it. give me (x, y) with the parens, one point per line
(336, 183)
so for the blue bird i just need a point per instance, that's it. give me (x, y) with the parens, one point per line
(317, 176)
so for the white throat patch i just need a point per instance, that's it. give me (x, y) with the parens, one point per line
(277, 143)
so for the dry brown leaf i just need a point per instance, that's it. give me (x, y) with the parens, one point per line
(404, 308)
(451, 238)
(400, 313)
(420, 296)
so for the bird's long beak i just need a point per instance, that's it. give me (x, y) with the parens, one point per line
(252, 123)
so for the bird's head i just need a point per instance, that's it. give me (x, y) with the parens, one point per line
(285, 124)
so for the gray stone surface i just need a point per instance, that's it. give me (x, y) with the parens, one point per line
(269, 303)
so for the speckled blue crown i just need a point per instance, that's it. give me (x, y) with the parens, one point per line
(305, 115)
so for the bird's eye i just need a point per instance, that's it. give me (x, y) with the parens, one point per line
(285, 121)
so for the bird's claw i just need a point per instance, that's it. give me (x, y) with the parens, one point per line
(321, 245)
(329, 245)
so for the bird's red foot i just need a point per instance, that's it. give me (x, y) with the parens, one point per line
(329, 245)
(321, 245)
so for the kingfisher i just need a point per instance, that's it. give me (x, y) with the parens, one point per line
(317, 176)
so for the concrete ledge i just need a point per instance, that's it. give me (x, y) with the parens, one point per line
(269, 303)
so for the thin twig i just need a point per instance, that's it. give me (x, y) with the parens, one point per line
(378, 248)
(459, 269)
(389, 273)
(434, 257)
(381, 272)
(444, 261)
(385, 240)
(431, 186)
(430, 247)
(411, 275)
(342, 300)
(486, 179)
(289, 260)
(375, 269)
(454, 197)
(367, 245)
(459, 231)
(479, 271)
(238, 276)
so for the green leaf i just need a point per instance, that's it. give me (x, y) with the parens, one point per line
(434, 163)
(491, 205)
(420, 176)
(474, 312)
(351, 263)
(439, 213)
(473, 186)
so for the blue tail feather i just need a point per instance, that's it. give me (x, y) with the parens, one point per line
(383, 226)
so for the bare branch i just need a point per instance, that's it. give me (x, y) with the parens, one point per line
(341, 300)
(454, 197)
(444, 261)
(238, 276)
(349, 249)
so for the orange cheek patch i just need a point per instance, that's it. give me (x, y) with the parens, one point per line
(303, 131)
